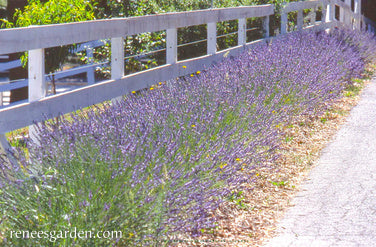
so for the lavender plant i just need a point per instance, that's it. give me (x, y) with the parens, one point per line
(160, 162)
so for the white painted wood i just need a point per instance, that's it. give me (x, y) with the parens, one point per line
(15, 85)
(88, 69)
(312, 16)
(33, 133)
(242, 31)
(2, 94)
(296, 6)
(10, 65)
(3, 91)
(342, 14)
(332, 12)
(357, 6)
(357, 12)
(90, 75)
(117, 62)
(171, 46)
(29, 38)
(265, 26)
(4, 144)
(300, 20)
(324, 11)
(329, 16)
(6, 148)
(117, 58)
(37, 83)
(212, 38)
(284, 22)
(346, 17)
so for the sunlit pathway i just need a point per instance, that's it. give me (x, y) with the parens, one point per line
(337, 204)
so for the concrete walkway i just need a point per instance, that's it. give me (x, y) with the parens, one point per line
(337, 204)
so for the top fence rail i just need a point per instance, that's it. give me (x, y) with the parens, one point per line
(296, 6)
(36, 37)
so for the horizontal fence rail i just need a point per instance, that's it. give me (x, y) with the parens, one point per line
(38, 37)
(87, 69)
(82, 47)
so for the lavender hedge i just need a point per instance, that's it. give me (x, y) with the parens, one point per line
(160, 162)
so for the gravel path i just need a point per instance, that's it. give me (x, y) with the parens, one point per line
(337, 204)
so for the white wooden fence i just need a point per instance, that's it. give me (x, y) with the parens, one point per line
(36, 38)
(346, 15)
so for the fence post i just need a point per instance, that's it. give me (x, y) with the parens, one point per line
(300, 19)
(2, 93)
(324, 11)
(330, 11)
(90, 74)
(357, 12)
(284, 21)
(342, 17)
(117, 61)
(171, 46)
(242, 31)
(6, 153)
(312, 20)
(265, 26)
(117, 58)
(37, 83)
(212, 38)
(4, 145)
(347, 18)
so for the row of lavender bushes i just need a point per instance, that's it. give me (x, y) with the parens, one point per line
(160, 162)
